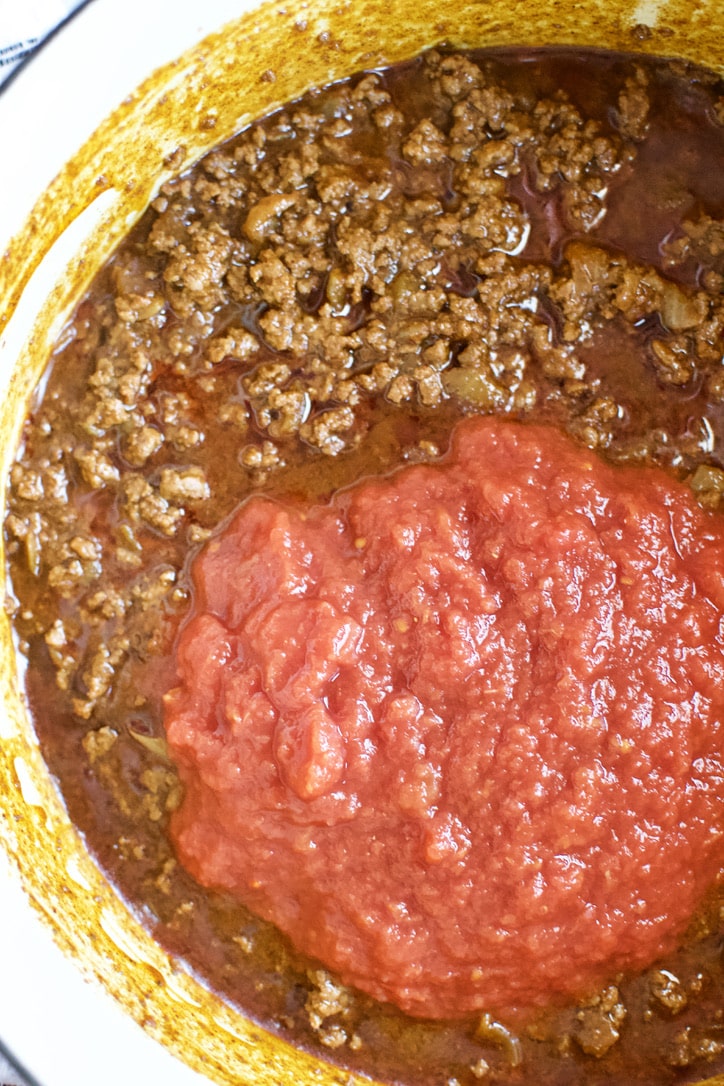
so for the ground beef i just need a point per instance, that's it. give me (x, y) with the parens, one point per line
(319, 300)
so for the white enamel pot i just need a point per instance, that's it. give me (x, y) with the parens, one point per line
(86, 997)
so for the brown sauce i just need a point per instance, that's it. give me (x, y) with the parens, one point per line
(535, 234)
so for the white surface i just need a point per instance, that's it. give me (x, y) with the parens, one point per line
(30, 19)
(79, 77)
(9, 1076)
(65, 1031)
(23, 25)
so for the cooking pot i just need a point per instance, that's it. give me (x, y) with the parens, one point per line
(88, 130)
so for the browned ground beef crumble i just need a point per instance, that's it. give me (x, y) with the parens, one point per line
(319, 299)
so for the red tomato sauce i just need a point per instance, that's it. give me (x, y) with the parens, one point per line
(458, 732)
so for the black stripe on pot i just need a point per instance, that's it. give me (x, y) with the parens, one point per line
(33, 50)
(22, 1073)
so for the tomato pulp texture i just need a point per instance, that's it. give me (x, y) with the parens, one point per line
(459, 731)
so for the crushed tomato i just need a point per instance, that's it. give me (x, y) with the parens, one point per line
(459, 731)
